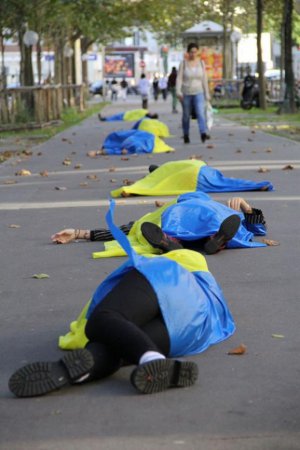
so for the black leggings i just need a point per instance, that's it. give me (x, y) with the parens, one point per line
(125, 325)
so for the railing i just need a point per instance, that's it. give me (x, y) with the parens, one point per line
(39, 105)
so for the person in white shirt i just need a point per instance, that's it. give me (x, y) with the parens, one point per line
(144, 89)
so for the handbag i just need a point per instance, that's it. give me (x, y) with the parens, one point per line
(209, 115)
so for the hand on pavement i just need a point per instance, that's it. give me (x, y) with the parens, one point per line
(64, 236)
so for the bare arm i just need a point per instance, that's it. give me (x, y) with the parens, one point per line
(69, 235)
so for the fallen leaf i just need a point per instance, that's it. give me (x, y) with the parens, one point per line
(253, 131)
(268, 150)
(77, 166)
(288, 167)
(9, 182)
(210, 157)
(27, 152)
(250, 140)
(66, 162)
(112, 180)
(92, 154)
(159, 204)
(39, 153)
(112, 169)
(23, 173)
(270, 242)
(44, 173)
(127, 182)
(230, 134)
(14, 226)
(83, 184)
(240, 350)
(74, 134)
(263, 170)
(210, 146)
(40, 276)
(60, 188)
(278, 336)
(123, 158)
(92, 177)
(73, 153)
(238, 150)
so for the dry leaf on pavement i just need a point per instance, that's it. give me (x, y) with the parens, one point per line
(13, 225)
(66, 162)
(288, 167)
(77, 166)
(210, 146)
(40, 276)
(92, 177)
(127, 182)
(23, 173)
(44, 173)
(263, 170)
(92, 153)
(240, 350)
(159, 204)
(112, 169)
(60, 188)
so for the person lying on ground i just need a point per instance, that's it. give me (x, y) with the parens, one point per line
(191, 219)
(146, 313)
(129, 116)
(179, 177)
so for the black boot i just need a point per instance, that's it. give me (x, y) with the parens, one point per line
(152, 167)
(158, 239)
(227, 230)
(204, 137)
(40, 378)
(186, 139)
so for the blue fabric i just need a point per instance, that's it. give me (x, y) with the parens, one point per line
(115, 117)
(192, 304)
(212, 180)
(134, 141)
(137, 124)
(196, 215)
(198, 102)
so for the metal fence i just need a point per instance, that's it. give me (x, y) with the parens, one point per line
(39, 104)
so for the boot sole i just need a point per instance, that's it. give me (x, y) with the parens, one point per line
(227, 230)
(161, 374)
(40, 378)
(155, 237)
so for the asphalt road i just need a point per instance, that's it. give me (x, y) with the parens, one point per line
(239, 402)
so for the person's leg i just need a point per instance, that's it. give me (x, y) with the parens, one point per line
(103, 234)
(199, 105)
(186, 112)
(118, 320)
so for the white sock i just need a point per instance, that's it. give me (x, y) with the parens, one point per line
(150, 356)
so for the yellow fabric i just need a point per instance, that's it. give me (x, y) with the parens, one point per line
(76, 338)
(172, 178)
(155, 127)
(135, 114)
(161, 147)
(137, 240)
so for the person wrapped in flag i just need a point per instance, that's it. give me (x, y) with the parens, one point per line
(149, 312)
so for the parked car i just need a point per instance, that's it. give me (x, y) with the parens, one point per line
(96, 87)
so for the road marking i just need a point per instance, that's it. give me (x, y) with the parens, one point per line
(131, 202)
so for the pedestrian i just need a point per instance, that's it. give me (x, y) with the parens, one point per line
(155, 88)
(144, 89)
(137, 316)
(124, 89)
(192, 91)
(172, 88)
(114, 89)
(163, 86)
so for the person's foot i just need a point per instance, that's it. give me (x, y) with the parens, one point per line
(204, 137)
(161, 374)
(102, 119)
(152, 167)
(227, 230)
(158, 239)
(40, 378)
(186, 139)
(152, 115)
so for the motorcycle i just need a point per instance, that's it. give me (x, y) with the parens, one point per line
(250, 93)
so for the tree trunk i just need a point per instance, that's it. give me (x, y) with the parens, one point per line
(260, 64)
(3, 71)
(38, 61)
(289, 95)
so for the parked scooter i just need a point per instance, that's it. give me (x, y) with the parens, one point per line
(250, 93)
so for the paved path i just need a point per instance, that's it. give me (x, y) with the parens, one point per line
(239, 403)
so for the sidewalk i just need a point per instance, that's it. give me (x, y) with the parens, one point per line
(244, 402)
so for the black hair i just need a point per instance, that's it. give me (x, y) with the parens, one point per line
(143, 75)
(192, 45)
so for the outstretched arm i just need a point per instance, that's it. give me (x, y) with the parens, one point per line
(69, 235)
(239, 204)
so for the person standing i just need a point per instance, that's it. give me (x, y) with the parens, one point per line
(114, 89)
(172, 88)
(192, 91)
(144, 88)
(124, 87)
(163, 87)
(155, 88)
